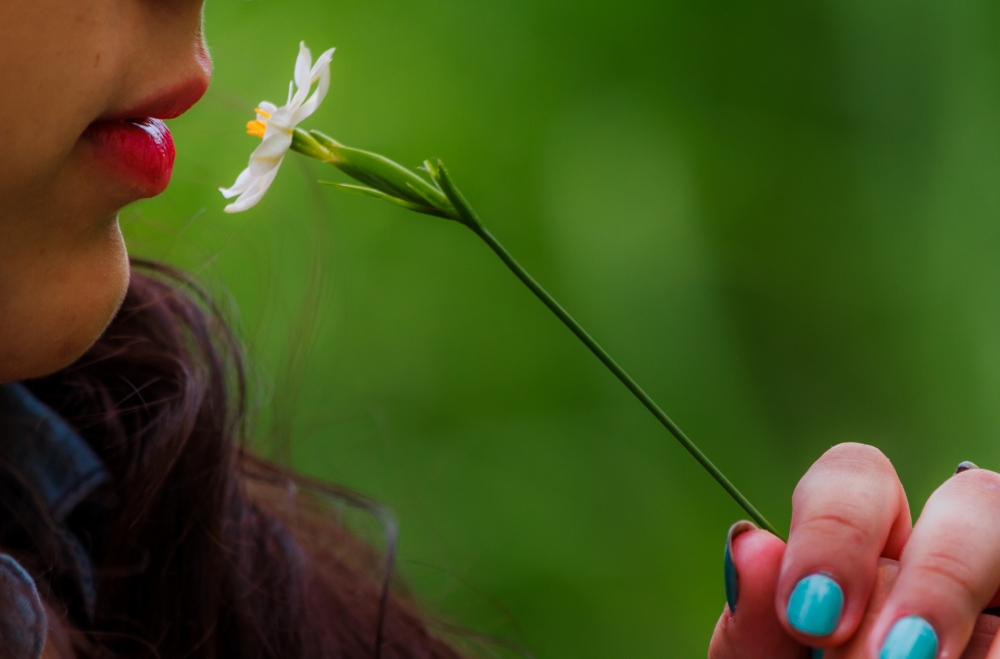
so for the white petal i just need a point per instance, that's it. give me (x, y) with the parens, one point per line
(303, 67)
(299, 98)
(264, 162)
(291, 90)
(282, 117)
(323, 61)
(311, 105)
(323, 74)
(303, 70)
(268, 107)
(241, 185)
(256, 192)
(273, 146)
(269, 154)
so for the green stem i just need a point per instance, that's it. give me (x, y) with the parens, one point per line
(469, 217)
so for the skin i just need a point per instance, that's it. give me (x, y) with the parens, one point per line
(851, 520)
(63, 264)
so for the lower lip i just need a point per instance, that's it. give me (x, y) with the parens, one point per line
(139, 150)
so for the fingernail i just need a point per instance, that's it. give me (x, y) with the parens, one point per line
(910, 638)
(965, 466)
(816, 653)
(729, 566)
(815, 605)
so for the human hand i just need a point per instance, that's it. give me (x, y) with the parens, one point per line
(855, 576)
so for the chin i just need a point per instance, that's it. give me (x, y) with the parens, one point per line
(64, 310)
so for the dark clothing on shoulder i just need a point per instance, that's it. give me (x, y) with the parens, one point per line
(52, 514)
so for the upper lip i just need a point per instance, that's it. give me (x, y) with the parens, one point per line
(164, 104)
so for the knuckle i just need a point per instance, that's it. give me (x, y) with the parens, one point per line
(951, 573)
(844, 525)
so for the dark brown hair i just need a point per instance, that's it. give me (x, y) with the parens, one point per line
(210, 552)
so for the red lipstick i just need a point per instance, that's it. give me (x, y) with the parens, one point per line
(136, 145)
(141, 150)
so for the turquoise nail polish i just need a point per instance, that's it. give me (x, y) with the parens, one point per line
(910, 638)
(816, 653)
(815, 605)
(729, 566)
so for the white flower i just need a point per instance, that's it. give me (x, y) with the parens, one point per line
(276, 125)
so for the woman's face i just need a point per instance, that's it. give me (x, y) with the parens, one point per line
(82, 87)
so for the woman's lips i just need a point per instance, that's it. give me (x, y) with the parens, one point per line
(138, 150)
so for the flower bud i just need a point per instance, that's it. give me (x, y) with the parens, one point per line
(386, 177)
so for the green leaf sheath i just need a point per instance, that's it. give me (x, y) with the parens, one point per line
(377, 194)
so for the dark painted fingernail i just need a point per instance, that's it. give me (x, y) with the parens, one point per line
(815, 605)
(729, 566)
(816, 653)
(911, 637)
(965, 466)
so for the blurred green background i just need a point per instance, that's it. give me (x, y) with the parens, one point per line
(781, 218)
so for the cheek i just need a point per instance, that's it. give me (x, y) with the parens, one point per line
(58, 72)
(55, 308)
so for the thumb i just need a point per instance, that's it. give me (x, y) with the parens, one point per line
(753, 630)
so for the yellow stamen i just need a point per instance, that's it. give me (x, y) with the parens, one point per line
(263, 113)
(256, 128)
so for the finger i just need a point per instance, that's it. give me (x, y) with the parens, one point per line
(983, 635)
(977, 648)
(855, 648)
(847, 511)
(949, 571)
(749, 628)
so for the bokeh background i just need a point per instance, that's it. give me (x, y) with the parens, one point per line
(783, 218)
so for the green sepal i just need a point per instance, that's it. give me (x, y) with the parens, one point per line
(306, 144)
